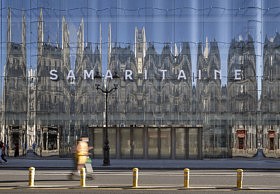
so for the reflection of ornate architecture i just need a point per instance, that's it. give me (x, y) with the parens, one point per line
(140, 48)
(52, 97)
(159, 99)
(15, 92)
(242, 95)
(270, 97)
(88, 108)
(163, 111)
(209, 97)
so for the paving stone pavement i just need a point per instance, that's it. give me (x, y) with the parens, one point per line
(256, 163)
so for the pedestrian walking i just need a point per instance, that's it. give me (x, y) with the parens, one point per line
(3, 152)
(81, 154)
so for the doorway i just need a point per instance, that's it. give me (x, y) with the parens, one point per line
(240, 142)
(188, 143)
(271, 143)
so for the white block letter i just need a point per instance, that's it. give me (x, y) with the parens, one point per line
(71, 75)
(217, 73)
(128, 75)
(237, 74)
(88, 75)
(53, 74)
(199, 74)
(108, 74)
(146, 74)
(181, 75)
(163, 73)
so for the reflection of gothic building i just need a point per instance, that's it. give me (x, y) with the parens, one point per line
(157, 111)
(270, 97)
(15, 92)
(52, 97)
(242, 95)
(209, 98)
(88, 108)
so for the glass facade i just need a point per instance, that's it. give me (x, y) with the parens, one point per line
(153, 143)
(180, 79)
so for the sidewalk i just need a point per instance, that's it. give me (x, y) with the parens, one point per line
(67, 163)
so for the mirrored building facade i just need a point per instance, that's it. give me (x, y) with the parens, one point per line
(196, 79)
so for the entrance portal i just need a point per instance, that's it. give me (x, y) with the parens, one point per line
(150, 142)
(271, 143)
(188, 143)
(240, 142)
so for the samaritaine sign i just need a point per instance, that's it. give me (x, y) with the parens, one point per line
(128, 74)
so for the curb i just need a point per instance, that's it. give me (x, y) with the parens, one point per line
(160, 187)
(5, 167)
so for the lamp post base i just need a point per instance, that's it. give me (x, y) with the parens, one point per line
(106, 160)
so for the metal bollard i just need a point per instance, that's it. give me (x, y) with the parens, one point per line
(187, 178)
(31, 176)
(83, 177)
(135, 178)
(239, 178)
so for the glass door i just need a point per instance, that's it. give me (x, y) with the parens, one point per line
(193, 143)
(125, 142)
(165, 143)
(112, 141)
(153, 143)
(98, 142)
(180, 143)
(138, 150)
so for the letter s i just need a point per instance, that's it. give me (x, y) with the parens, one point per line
(53, 74)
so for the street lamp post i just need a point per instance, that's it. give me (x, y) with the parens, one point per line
(105, 90)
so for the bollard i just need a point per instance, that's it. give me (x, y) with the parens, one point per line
(135, 178)
(31, 176)
(239, 178)
(83, 177)
(187, 178)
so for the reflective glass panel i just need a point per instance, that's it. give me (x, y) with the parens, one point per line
(153, 143)
(177, 60)
(112, 142)
(98, 142)
(138, 142)
(125, 142)
(165, 143)
(180, 142)
(193, 151)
